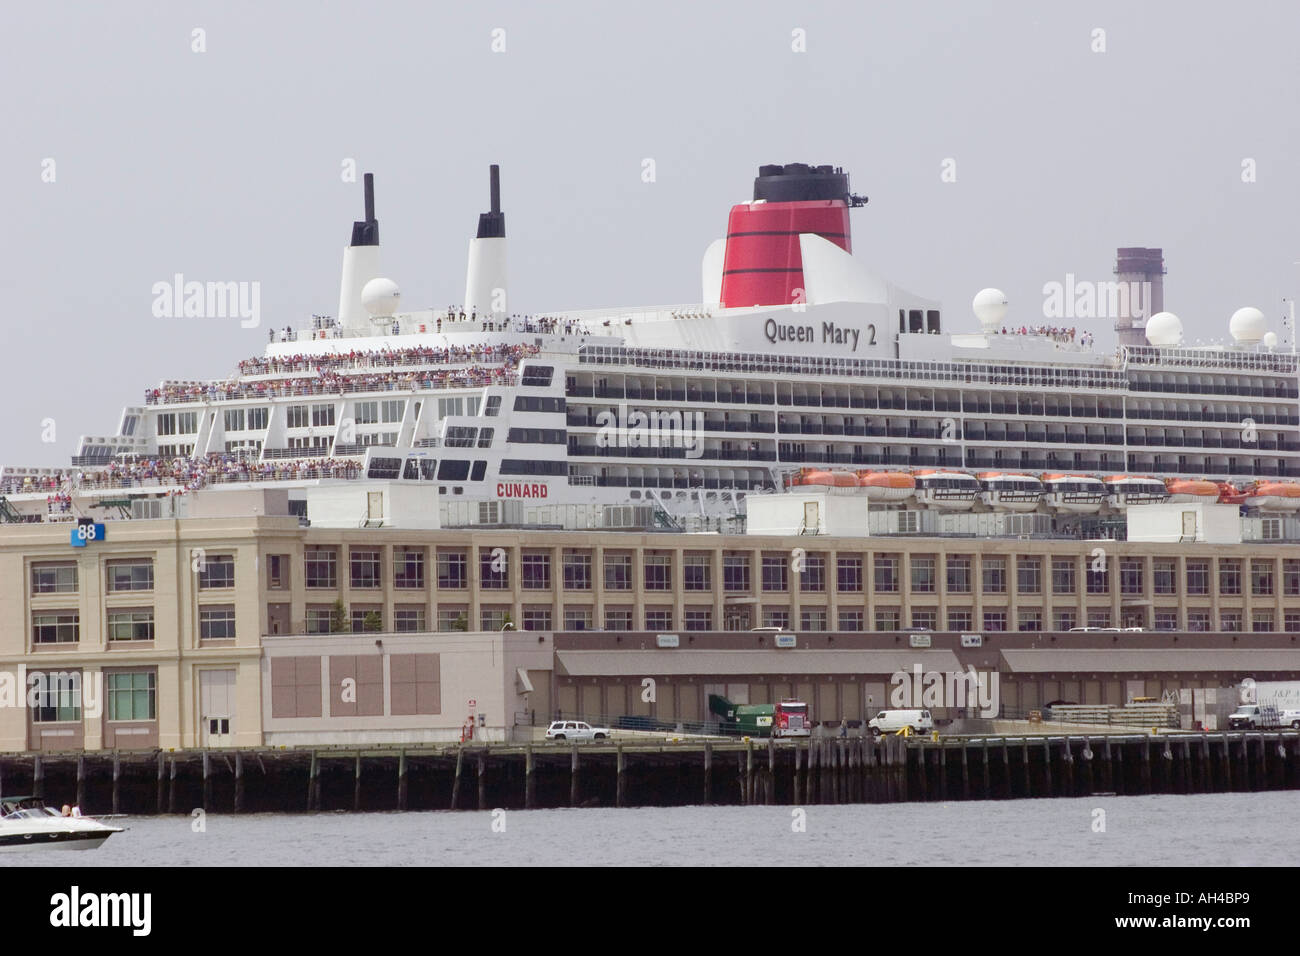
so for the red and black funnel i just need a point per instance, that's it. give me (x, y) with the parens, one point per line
(762, 264)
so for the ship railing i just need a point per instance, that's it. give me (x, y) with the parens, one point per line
(322, 388)
(379, 361)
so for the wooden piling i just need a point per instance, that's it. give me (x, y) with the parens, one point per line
(162, 775)
(117, 783)
(1107, 768)
(1227, 764)
(708, 772)
(207, 781)
(1006, 770)
(1047, 766)
(573, 774)
(1145, 747)
(455, 783)
(81, 779)
(942, 788)
(620, 785)
(403, 783)
(769, 785)
(749, 771)
(988, 786)
(965, 770)
(171, 789)
(1024, 755)
(1207, 765)
(1086, 755)
(38, 777)
(1120, 779)
(530, 779)
(482, 781)
(239, 782)
(1067, 758)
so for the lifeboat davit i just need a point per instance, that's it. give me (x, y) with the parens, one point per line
(1274, 496)
(1230, 494)
(828, 479)
(1128, 490)
(947, 490)
(886, 485)
(1191, 489)
(1007, 492)
(1075, 494)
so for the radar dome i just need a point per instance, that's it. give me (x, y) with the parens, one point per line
(381, 297)
(990, 306)
(1247, 325)
(1164, 329)
(1270, 340)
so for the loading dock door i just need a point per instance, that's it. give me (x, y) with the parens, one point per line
(217, 707)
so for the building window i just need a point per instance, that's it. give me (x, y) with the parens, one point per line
(696, 572)
(851, 620)
(493, 569)
(57, 696)
(812, 618)
(56, 627)
(618, 619)
(658, 572)
(537, 617)
(959, 577)
(735, 572)
(995, 620)
(1029, 576)
(775, 573)
(577, 618)
(217, 571)
(366, 614)
(453, 570)
(321, 567)
(1291, 578)
(1291, 622)
(134, 624)
(216, 623)
(995, 578)
(1229, 576)
(699, 619)
(1166, 619)
(1261, 621)
(1230, 620)
(1130, 576)
(774, 616)
(1063, 576)
(577, 571)
(848, 574)
(925, 618)
(131, 696)
(453, 617)
(1261, 578)
(1198, 620)
(365, 568)
(535, 567)
(54, 578)
(1029, 619)
(322, 415)
(492, 618)
(318, 619)
(886, 574)
(408, 619)
(1164, 576)
(1098, 580)
(277, 567)
(133, 575)
(923, 581)
(888, 619)
(1099, 617)
(1064, 618)
(408, 568)
(1198, 577)
(812, 576)
(618, 572)
(658, 618)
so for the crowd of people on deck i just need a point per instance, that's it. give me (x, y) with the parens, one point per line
(1053, 332)
(331, 375)
(489, 322)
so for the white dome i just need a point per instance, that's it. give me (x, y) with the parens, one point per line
(990, 306)
(381, 297)
(1165, 329)
(1270, 340)
(1247, 325)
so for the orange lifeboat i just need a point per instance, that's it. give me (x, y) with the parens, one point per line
(830, 479)
(1192, 489)
(1230, 494)
(1274, 496)
(886, 485)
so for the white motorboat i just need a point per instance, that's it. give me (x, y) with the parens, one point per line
(26, 823)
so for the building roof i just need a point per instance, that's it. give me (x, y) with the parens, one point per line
(1098, 660)
(680, 662)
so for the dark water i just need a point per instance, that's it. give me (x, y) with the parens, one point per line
(1241, 829)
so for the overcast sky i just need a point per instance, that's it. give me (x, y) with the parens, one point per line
(225, 165)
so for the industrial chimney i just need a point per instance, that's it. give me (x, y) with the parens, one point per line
(1139, 274)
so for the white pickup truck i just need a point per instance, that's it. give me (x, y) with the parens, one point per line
(575, 730)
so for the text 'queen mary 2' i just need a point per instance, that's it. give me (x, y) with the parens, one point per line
(798, 366)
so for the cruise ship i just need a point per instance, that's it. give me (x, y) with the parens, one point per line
(799, 366)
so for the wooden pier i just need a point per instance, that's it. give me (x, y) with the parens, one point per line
(656, 772)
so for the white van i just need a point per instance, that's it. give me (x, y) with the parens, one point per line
(892, 721)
